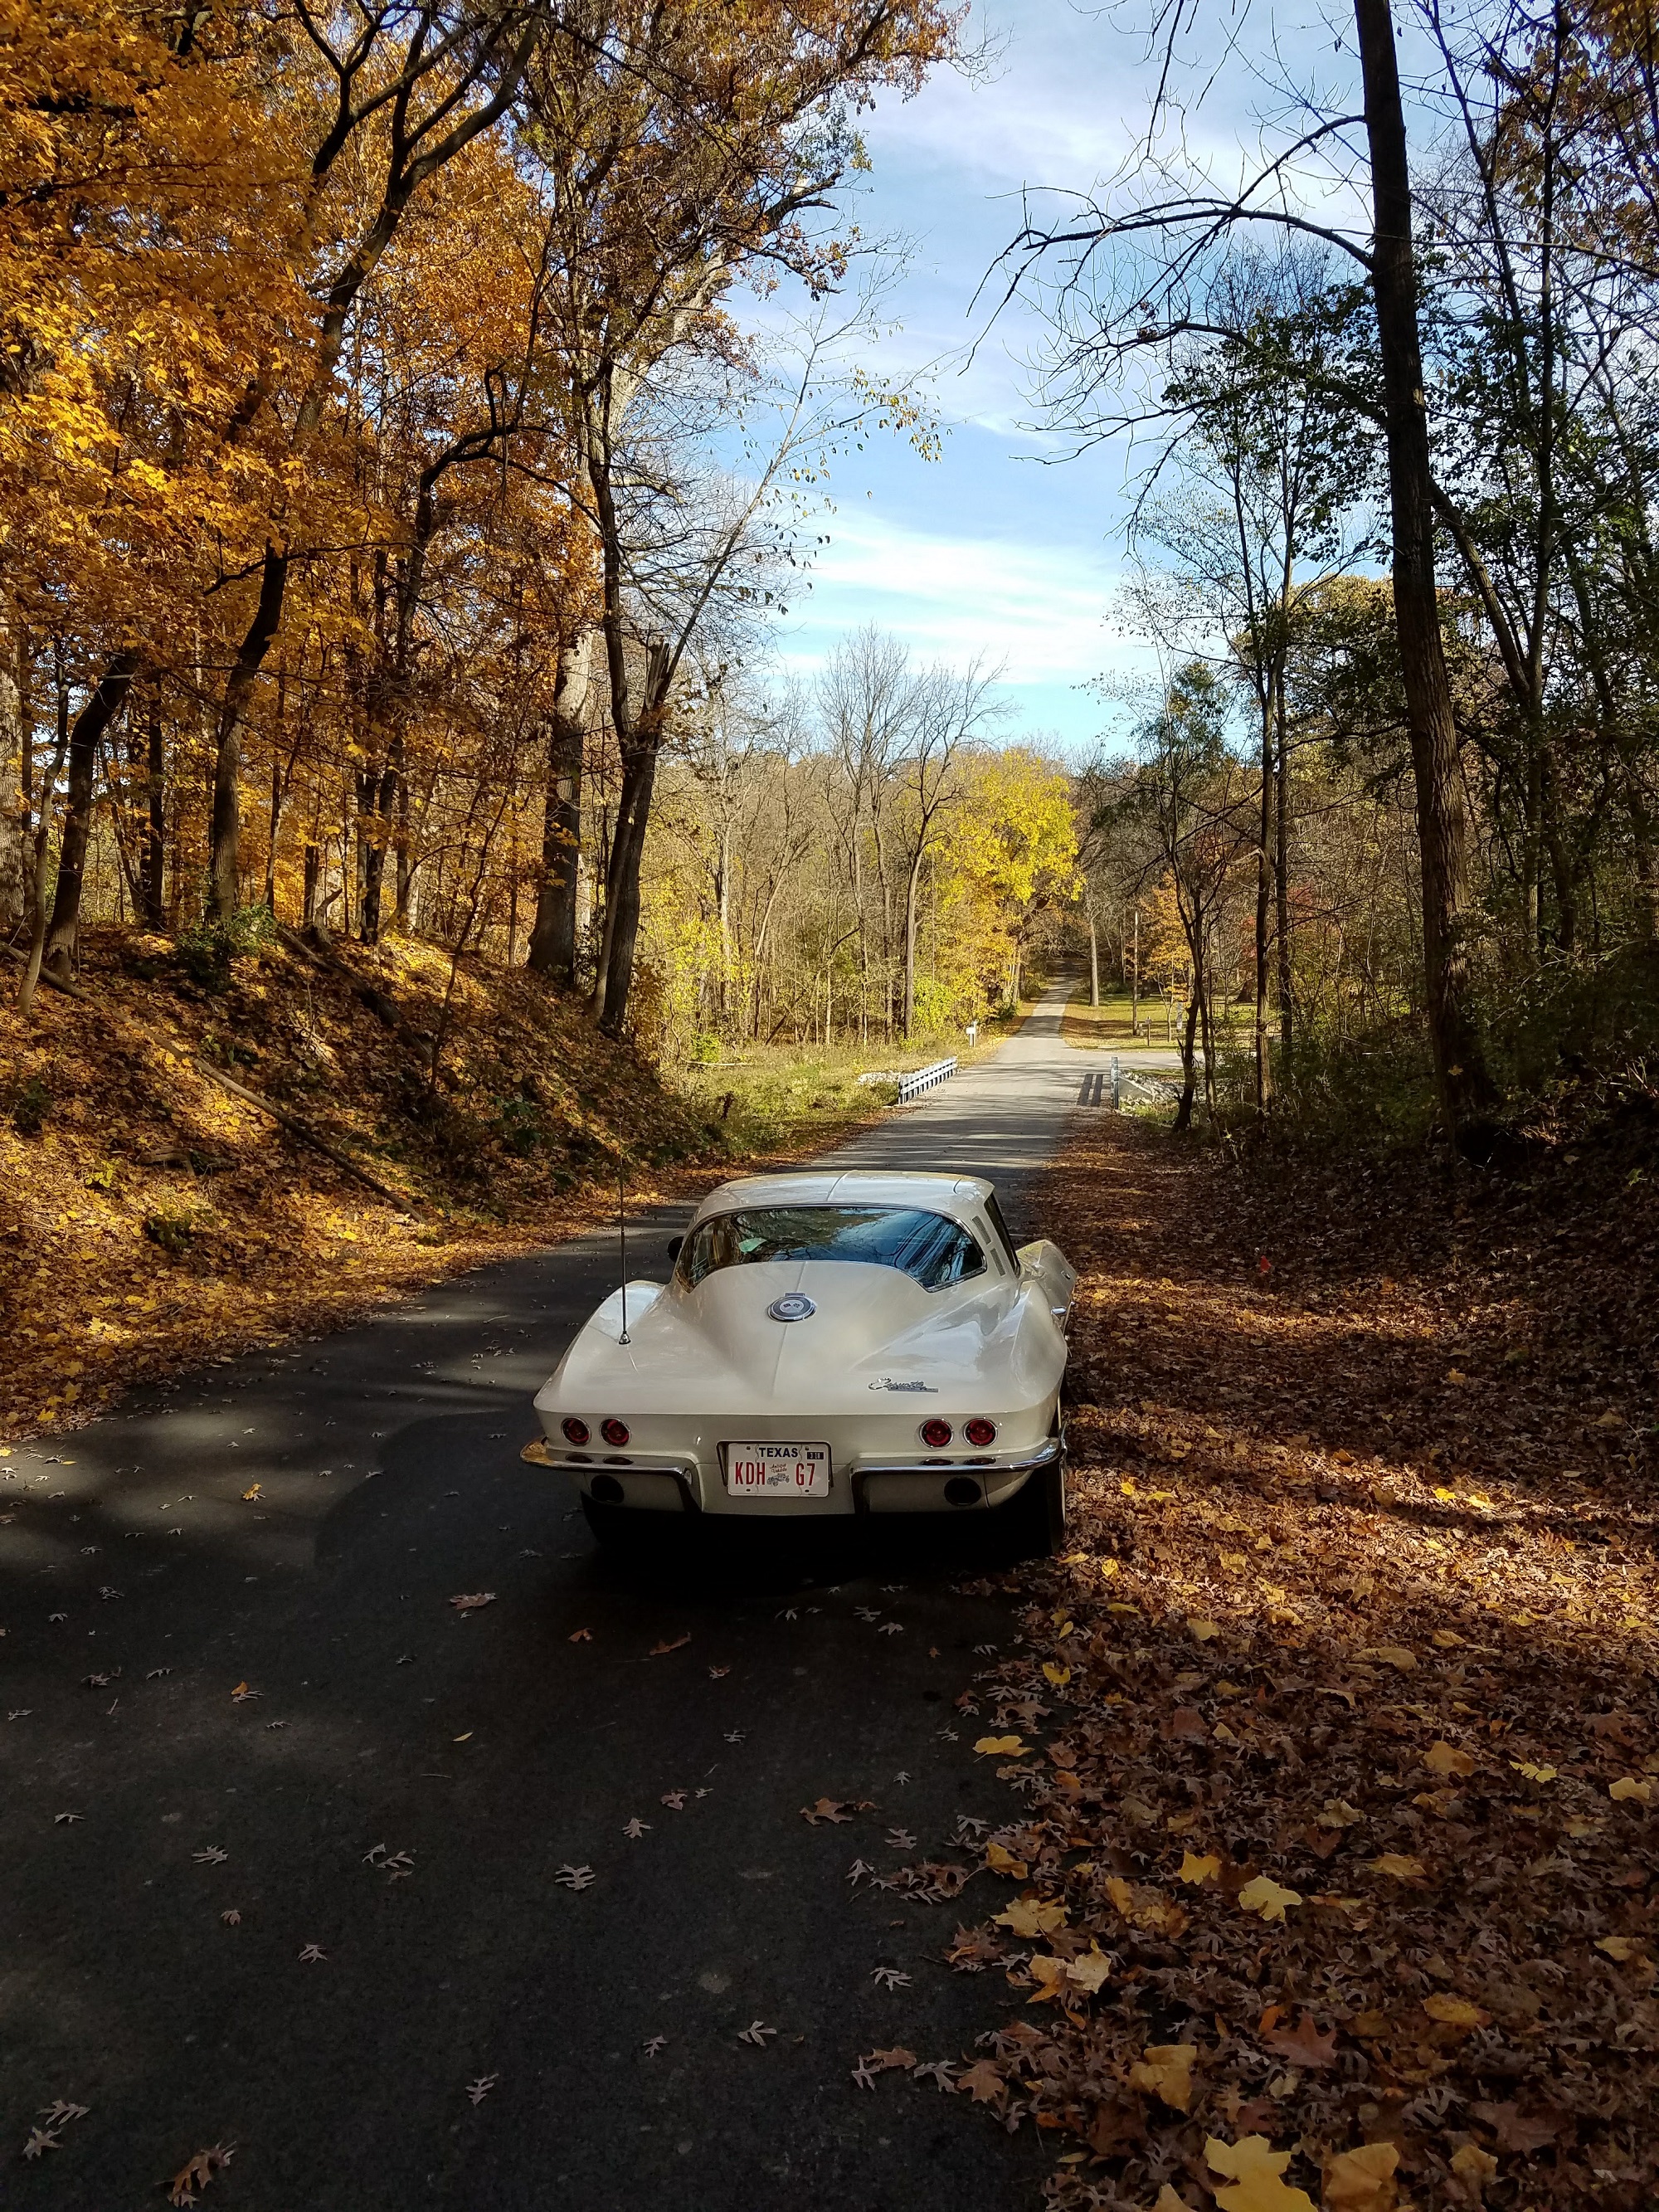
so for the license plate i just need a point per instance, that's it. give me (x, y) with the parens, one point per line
(777, 1470)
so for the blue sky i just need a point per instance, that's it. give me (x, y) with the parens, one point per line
(1000, 548)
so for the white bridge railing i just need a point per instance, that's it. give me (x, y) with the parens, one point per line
(924, 1079)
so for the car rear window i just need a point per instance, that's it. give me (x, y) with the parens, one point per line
(930, 1249)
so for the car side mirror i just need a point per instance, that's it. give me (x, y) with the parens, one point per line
(674, 1244)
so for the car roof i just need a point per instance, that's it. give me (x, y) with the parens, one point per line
(957, 1196)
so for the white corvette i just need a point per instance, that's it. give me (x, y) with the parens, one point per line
(829, 1345)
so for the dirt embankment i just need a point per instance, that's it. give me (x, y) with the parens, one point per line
(152, 1213)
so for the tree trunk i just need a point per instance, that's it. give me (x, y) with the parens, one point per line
(1282, 885)
(1094, 950)
(553, 935)
(224, 855)
(313, 869)
(153, 853)
(621, 905)
(87, 734)
(1465, 1088)
(13, 783)
(1183, 1119)
(1264, 1077)
(908, 1012)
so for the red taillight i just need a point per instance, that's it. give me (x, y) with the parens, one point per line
(980, 1431)
(936, 1433)
(614, 1432)
(575, 1431)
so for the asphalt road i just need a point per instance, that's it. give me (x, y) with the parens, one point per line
(215, 1705)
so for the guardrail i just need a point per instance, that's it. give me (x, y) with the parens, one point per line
(924, 1079)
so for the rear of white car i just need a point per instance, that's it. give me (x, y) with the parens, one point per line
(828, 1347)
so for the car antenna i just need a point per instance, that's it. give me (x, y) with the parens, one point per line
(622, 1238)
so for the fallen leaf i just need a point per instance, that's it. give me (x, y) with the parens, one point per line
(478, 2090)
(983, 2082)
(888, 2061)
(755, 2032)
(1474, 2165)
(1032, 1916)
(196, 2173)
(1620, 1948)
(718, 1674)
(1361, 2180)
(1445, 1758)
(1304, 2046)
(636, 1827)
(231, 1918)
(1518, 2131)
(999, 1747)
(580, 1636)
(1001, 1861)
(1170, 2201)
(471, 1602)
(1337, 1812)
(1400, 1864)
(827, 1808)
(1629, 1789)
(1058, 1677)
(1203, 1631)
(1196, 1870)
(1257, 2169)
(1531, 1773)
(1392, 1654)
(241, 1694)
(1454, 2012)
(1165, 2069)
(250, 1493)
(314, 1954)
(576, 1877)
(676, 1644)
(1266, 1896)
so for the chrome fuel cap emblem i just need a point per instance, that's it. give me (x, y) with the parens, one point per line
(793, 1305)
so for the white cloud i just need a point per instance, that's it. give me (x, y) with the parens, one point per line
(1039, 611)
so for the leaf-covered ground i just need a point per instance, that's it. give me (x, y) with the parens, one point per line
(149, 1217)
(1332, 1744)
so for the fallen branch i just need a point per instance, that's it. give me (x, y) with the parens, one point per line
(306, 1134)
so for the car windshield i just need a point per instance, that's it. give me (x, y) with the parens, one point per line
(930, 1249)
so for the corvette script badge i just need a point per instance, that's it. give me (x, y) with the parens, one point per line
(793, 1305)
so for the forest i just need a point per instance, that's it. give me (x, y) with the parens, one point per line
(416, 423)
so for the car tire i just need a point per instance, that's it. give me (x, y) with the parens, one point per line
(1034, 1520)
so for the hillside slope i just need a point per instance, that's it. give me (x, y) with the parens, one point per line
(151, 1215)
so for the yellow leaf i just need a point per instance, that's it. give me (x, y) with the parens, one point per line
(1128, 1486)
(1338, 1813)
(1620, 1948)
(1255, 2168)
(1524, 1766)
(1123, 1608)
(990, 1747)
(1392, 1654)
(1446, 1758)
(1400, 1864)
(1446, 1639)
(1203, 1630)
(1446, 1495)
(1266, 1896)
(1089, 1972)
(1003, 1862)
(1454, 2012)
(1196, 1870)
(1361, 2180)
(1168, 2201)
(1060, 1676)
(1234, 1562)
(1628, 1788)
(1166, 2070)
(250, 1493)
(1474, 2165)
(1032, 1916)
